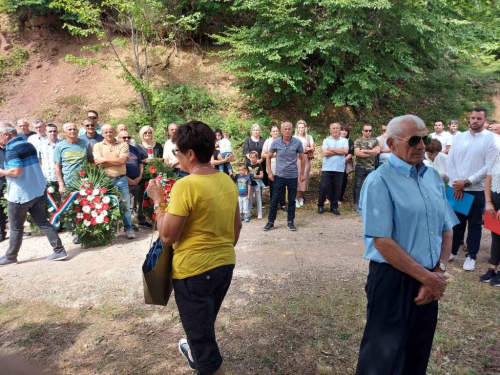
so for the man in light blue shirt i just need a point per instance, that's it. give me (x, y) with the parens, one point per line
(335, 148)
(407, 228)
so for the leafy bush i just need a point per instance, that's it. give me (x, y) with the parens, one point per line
(11, 63)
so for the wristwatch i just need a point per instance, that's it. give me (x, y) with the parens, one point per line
(442, 267)
(467, 184)
(159, 205)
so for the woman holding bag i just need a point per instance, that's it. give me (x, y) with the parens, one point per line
(308, 144)
(202, 223)
(492, 195)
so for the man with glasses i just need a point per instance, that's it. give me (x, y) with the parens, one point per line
(90, 136)
(466, 167)
(112, 156)
(135, 169)
(453, 128)
(365, 149)
(407, 229)
(120, 128)
(25, 194)
(23, 129)
(93, 116)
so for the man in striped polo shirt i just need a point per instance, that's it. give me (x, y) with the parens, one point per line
(25, 194)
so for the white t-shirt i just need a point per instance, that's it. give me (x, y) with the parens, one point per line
(439, 163)
(494, 172)
(225, 145)
(445, 138)
(265, 148)
(168, 153)
(454, 134)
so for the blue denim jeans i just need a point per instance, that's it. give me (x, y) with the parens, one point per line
(228, 165)
(122, 184)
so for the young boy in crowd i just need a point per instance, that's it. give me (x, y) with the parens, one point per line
(244, 185)
(256, 176)
(225, 149)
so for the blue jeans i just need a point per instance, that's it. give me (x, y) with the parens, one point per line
(280, 184)
(122, 184)
(228, 165)
(475, 220)
(257, 193)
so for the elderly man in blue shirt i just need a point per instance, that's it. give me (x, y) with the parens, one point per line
(407, 228)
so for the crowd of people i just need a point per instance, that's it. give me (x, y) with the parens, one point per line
(400, 182)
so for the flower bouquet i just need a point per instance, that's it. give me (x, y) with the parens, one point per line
(93, 207)
(51, 205)
(148, 203)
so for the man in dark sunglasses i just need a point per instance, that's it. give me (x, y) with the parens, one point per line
(365, 149)
(91, 136)
(407, 229)
(94, 117)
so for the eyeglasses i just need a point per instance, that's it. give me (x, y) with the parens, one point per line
(90, 126)
(367, 131)
(92, 117)
(126, 138)
(415, 140)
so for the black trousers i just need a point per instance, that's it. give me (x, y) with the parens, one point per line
(282, 196)
(495, 238)
(280, 186)
(360, 175)
(3, 218)
(398, 334)
(331, 187)
(344, 185)
(137, 191)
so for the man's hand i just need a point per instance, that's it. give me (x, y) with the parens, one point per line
(100, 160)
(436, 283)
(138, 180)
(424, 296)
(270, 175)
(458, 185)
(458, 194)
(62, 188)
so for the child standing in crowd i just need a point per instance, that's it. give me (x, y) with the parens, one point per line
(256, 176)
(244, 185)
(225, 149)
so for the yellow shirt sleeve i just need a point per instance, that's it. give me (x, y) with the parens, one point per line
(181, 201)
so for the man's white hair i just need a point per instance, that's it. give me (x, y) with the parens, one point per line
(65, 126)
(396, 125)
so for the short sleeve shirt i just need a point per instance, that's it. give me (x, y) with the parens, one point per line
(335, 163)
(116, 150)
(242, 183)
(286, 157)
(71, 156)
(133, 164)
(254, 169)
(366, 144)
(265, 148)
(206, 241)
(95, 139)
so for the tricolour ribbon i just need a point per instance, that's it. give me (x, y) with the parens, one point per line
(64, 206)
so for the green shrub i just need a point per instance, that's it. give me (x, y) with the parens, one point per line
(11, 63)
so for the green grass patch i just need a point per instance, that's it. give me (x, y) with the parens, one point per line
(13, 61)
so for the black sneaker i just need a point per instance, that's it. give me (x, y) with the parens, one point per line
(355, 207)
(145, 225)
(496, 280)
(184, 350)
(335, 211)
(291, 227)
(283, 208)
(486, 278)
(320, 210)
(269, 226)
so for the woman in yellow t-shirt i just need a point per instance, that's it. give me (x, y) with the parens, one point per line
(202, 223)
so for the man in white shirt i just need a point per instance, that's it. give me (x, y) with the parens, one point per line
(453, 128)
(466, 167)
(385, 151)
(495, 128)
(168, 150)
(41, 133)
(444, 137)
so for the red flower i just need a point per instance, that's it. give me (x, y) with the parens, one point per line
(83, 186)
(86, 216)
(158, 178)
(106, 220)
(102, 190)
(105, 206)
(92, 205)
(84, 202)
(152, 170)
(89, 191)
(77, 209)
(93, 221)
(97, 199)
(151, 202)
(98, 211)
(153, 216)
(146, 184)
(90, 183)
(168, 188)
(172, 181)
(82, 173)
(78, 220)
(145, 204)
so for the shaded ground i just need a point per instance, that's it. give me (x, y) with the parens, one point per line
(296, 306)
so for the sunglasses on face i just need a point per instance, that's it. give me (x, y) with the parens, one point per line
(90, 126)
(126, 138)
(415, 140)
(367, 131)
(92, 117)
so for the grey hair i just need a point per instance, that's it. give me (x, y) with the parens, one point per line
(395, 127)
(38, 120)
(23, 120)
(65, 126)
(5, 127)
(255, 126)
(287, 123)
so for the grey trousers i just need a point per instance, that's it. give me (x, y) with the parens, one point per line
(17, 217)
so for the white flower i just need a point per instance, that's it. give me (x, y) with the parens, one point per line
(93, 213)
(51, 189)
(98, 206)
(99, 219)
(76, 202)
(51, 209)
(83, 193)
(107, 227)
(106, 199)
(86, 209)
(79, 215)
(96, 192)
(86, 223)
(90, 198)
(104, 213)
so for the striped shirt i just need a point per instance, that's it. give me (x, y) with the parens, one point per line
(31, 183)
(46, 154)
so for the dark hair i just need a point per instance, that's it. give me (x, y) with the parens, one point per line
(275, 126)
(441, 121)
(88, 119)
(52, 126)
(434, 146)
(218, 130)
(254, 153)
(481, 109)
(196, 136)
(93, 111)
(453, 122)
(346, 128)
(242, 165)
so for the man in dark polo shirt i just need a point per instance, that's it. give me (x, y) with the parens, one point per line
(135, 168)
(91, 136)
(286, 149)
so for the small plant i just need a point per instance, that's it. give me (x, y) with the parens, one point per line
(11, 63)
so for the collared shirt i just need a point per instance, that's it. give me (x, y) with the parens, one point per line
(445, 138)
(92, 140)
(286, 156)
(409, 205)
(46, 154)
(168, 153)
(25, 136)
(82, 130)
(439, 163)
(31, 183)
(71, 156)
(35, 140)
(116, 150)
(334, 163)
(383, 156)
(470, 156)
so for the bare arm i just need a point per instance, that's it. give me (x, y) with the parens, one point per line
(361, 153)
(237, 224)
(270, 174)
(13, 172)
(170, 227)
(446, 150)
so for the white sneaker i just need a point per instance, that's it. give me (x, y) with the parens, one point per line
(297, 203)
(301, 201)
(453, 257)
(469, 264)
(130, 234)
